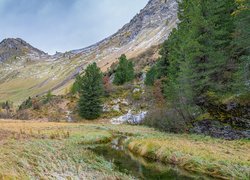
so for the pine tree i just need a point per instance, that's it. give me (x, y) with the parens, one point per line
(91, 92)
(124, 72)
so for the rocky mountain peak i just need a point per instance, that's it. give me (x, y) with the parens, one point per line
(150, 27)
(15, 47)
(156, 14)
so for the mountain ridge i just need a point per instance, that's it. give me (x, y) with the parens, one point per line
(26, 77)
(17, 47)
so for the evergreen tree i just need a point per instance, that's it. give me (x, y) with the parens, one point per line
(124, 72)
(241, 48)
(76, 86)
(159, 70)
(91, 92)
(151, 76)
(163, 62)
(202, 43)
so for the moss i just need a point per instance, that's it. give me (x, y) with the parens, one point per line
(137, 95)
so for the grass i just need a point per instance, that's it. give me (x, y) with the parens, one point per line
(217, 158)
(60, 150)
(53, 150)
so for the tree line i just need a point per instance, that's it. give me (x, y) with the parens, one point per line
(207, 57)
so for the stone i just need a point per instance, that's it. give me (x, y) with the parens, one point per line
(217, 129)
(115, 101)
(105, 108)
(130, 118)
(116, 107)
(125, 102)
(136, 90)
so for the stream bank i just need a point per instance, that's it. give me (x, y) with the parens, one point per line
(140, 167)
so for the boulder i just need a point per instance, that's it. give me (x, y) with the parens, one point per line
(129, 118)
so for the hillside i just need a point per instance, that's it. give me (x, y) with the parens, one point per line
(35, 73)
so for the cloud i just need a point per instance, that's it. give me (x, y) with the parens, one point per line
(61, 25)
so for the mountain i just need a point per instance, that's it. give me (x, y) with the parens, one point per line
(12, 48)
(148, 28)
(35, 72)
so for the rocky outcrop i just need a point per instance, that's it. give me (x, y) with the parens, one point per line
(130, 118)
(234, 113)
(13, 48)
(150, 27)
(217, 129)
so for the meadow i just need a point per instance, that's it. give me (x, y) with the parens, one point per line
(44, 150)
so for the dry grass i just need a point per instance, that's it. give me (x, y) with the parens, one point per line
(217, 158)
(58, 150)
(52, 151)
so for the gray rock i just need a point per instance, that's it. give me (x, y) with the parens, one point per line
(136, 90)
(217, 129)
(11, 47)
(116, 107)
(130, 118)
(106, 108)
(125, 102)
(115, 101)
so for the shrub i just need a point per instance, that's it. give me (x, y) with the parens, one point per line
(165, 120)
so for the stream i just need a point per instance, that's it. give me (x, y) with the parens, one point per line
(139, 167)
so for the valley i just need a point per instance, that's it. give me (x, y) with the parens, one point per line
(165, 97)
(62, 150)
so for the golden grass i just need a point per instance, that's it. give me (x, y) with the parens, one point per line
(44, 150)
(27, 150)
(217, 158)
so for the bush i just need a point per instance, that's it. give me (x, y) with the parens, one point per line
(165, 120)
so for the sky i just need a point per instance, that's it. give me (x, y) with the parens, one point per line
(63, 25)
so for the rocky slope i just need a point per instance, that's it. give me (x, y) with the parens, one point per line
(26, 77)
(13, 48)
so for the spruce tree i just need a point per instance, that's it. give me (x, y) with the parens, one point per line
(124, 72)
(151, 76)
(241, 48)
(91, 92)
(76, 86)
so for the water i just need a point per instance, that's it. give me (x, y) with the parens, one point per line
(139, 167)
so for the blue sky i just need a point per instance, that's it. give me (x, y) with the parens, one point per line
(62, 25)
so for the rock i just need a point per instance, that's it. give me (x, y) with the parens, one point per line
(115, 101)
(235, 114)
(217, 129)
(68, 116)
(125, 102)
(106, 108)
(116, 107)
(15, 47)
(129, 118)
(136, 90)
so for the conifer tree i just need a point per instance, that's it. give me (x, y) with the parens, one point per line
(241, 48)
(151, 76)
(124, 72)
(76, 86)
(91, 92)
